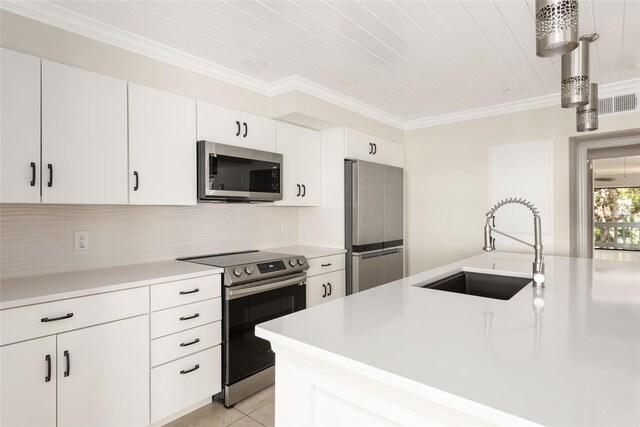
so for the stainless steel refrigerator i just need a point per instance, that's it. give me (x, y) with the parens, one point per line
(374, 224)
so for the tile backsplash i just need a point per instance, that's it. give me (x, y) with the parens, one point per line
(38, 239)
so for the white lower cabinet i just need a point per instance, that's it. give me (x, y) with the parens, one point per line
(184, 382)
(185, 345)
(28, 383)
(325, 287)
(96, 376)
(103, 376)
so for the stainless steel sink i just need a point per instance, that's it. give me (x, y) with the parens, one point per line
(480, 284)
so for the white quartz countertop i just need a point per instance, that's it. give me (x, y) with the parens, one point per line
(308, 252)
(52, 287)
(573, 360)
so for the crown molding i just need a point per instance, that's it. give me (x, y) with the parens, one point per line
(604, 91)
(313, 89)
(52, 14)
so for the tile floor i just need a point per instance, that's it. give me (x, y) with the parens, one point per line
(255, 411)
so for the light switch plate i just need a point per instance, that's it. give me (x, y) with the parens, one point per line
(80, 240)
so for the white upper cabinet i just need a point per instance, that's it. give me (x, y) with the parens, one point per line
(301, 157)
(162, 147)
(20, 128)
(361, 146)
(232, 127)
(84, 136)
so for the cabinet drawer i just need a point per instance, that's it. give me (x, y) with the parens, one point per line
(326, 264)
(325, 287)
(182, 292)
(23, 323)
(173, 391)
(169, 321)
(185, 343)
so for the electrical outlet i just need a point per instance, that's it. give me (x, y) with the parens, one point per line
(80, 240)
(283, 228)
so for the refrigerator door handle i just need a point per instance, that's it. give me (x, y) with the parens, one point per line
(367, 255)
(391, 251)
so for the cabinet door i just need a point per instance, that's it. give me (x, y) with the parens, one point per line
(218, 124)
(317, 290)
(258, 133)
(335, 284)
(28, 383)
(289, 146)
(309, 167)
(84, 136)
(20, 128)
(361, 146)
(162, 147)
(103, 375)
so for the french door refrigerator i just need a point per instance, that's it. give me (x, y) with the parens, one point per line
(374, 220)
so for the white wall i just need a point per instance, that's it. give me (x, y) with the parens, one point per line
(38, 239)
(447, 179)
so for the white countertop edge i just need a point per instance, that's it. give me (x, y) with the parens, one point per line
(441, 397)
(5, 305)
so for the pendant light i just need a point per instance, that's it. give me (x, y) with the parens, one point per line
(587, 115)
(556, 27)
(574, 87)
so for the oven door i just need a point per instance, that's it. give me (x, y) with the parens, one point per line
(249, 305)
(226, 172)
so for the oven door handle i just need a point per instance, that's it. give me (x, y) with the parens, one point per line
(238, 293)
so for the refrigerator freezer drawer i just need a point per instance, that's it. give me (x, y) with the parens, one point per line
(376, 268)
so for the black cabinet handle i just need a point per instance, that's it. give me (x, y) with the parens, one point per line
(375, 149)
(195, 368)
(329, 285)
(324, 290)
(370, 148)
(304, 190)
(187, 344)
(238, 125)
(189, 292)
(67, 358)
(33, 174)
(50, 183)
(190, 317)
(298, 195)
(246, 129)
(137, 177)
(325, 265)
(53, 319)
(47, 359)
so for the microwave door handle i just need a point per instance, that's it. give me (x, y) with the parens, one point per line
(238, 293)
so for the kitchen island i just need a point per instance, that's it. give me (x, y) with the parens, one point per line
(402, 354)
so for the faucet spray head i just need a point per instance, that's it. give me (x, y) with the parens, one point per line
(489, 242)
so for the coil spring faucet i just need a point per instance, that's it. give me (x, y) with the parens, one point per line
(490, 242)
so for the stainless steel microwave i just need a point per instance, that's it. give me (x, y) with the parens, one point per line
(230, 173)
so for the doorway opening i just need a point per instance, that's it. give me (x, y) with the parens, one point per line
(616, 208)
(612, 159)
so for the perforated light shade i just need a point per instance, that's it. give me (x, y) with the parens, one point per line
(556, 27)
(574, 87)
(587, 115)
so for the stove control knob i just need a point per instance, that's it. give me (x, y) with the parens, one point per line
(292, 262)
(248, 269)
(300, 261)
(237, 272)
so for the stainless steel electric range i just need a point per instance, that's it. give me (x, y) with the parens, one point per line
(257, 286)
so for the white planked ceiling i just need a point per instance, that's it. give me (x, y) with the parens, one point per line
(406, 60)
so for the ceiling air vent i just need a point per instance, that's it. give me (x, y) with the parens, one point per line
(618, 104)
